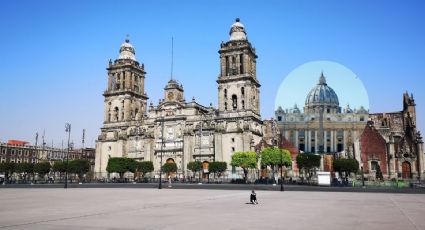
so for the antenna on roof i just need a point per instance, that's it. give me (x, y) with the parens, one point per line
(172, 56)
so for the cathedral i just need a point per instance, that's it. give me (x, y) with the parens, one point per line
(179, 130)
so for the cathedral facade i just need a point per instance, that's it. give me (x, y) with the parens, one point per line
(179, 130)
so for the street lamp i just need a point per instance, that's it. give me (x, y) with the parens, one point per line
(68, 130)
(281, 172)
(162, 144)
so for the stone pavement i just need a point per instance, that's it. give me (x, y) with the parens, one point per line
(144, 208)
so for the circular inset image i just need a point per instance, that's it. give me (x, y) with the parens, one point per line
(322, 107)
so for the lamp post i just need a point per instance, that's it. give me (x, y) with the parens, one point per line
(68, 130)
(281, 172)
(162, 144)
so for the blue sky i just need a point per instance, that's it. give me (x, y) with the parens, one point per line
(348, 87)
(54, 53)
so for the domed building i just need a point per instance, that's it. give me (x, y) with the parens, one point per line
(322, 127)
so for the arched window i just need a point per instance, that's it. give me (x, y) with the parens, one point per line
(116, 113)
(234, 102)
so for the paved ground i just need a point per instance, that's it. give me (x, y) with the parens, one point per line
(225, 186)
(144, 208)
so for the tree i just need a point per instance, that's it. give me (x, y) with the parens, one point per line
(345, 165)
(307, 162)
(169, 167)
(273, 157)
(245, 160)
(79, 167)
(60, 167)
(25, 168)
(8, 168)
(42, 168)
(195, 166)
(145, 167)
(217, 167)
(120, 165)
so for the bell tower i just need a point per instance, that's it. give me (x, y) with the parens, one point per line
(238, 87)
(125, 97)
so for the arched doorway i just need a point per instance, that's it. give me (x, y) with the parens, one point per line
(406, 170)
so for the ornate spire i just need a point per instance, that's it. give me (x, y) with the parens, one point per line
(322, 80)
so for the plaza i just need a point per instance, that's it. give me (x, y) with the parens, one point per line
(145, 208)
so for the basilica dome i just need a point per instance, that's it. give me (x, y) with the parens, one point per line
(322, 96)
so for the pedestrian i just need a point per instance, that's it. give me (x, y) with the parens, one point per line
(253, 197)
(169, 181)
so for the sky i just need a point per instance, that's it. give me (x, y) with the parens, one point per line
(54, 54)
(349, 88)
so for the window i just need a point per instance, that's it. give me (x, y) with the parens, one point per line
(374, 165)
(312, 118)
(328, 119)
(361, 118)
(233, 139)
(243, 104)
(234, 102)
(243, 91)
(225, 93)
(116, 113)
(279, 118)
(233, 149)
(328, 110)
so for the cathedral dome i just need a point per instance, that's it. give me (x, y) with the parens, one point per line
(322, 96)
(237, 32)
(127, 51)
(173, 84)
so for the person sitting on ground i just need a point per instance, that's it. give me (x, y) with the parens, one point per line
(253, 197)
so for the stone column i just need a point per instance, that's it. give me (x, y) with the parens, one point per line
(315, 142)
(421, 159)
(332, 141)
(325, 140)
(127, 110)
(307, 140)
(238, 62)
(335, 140)
(121, 81)
(392, 170)
(296, 138)
(109, 81)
